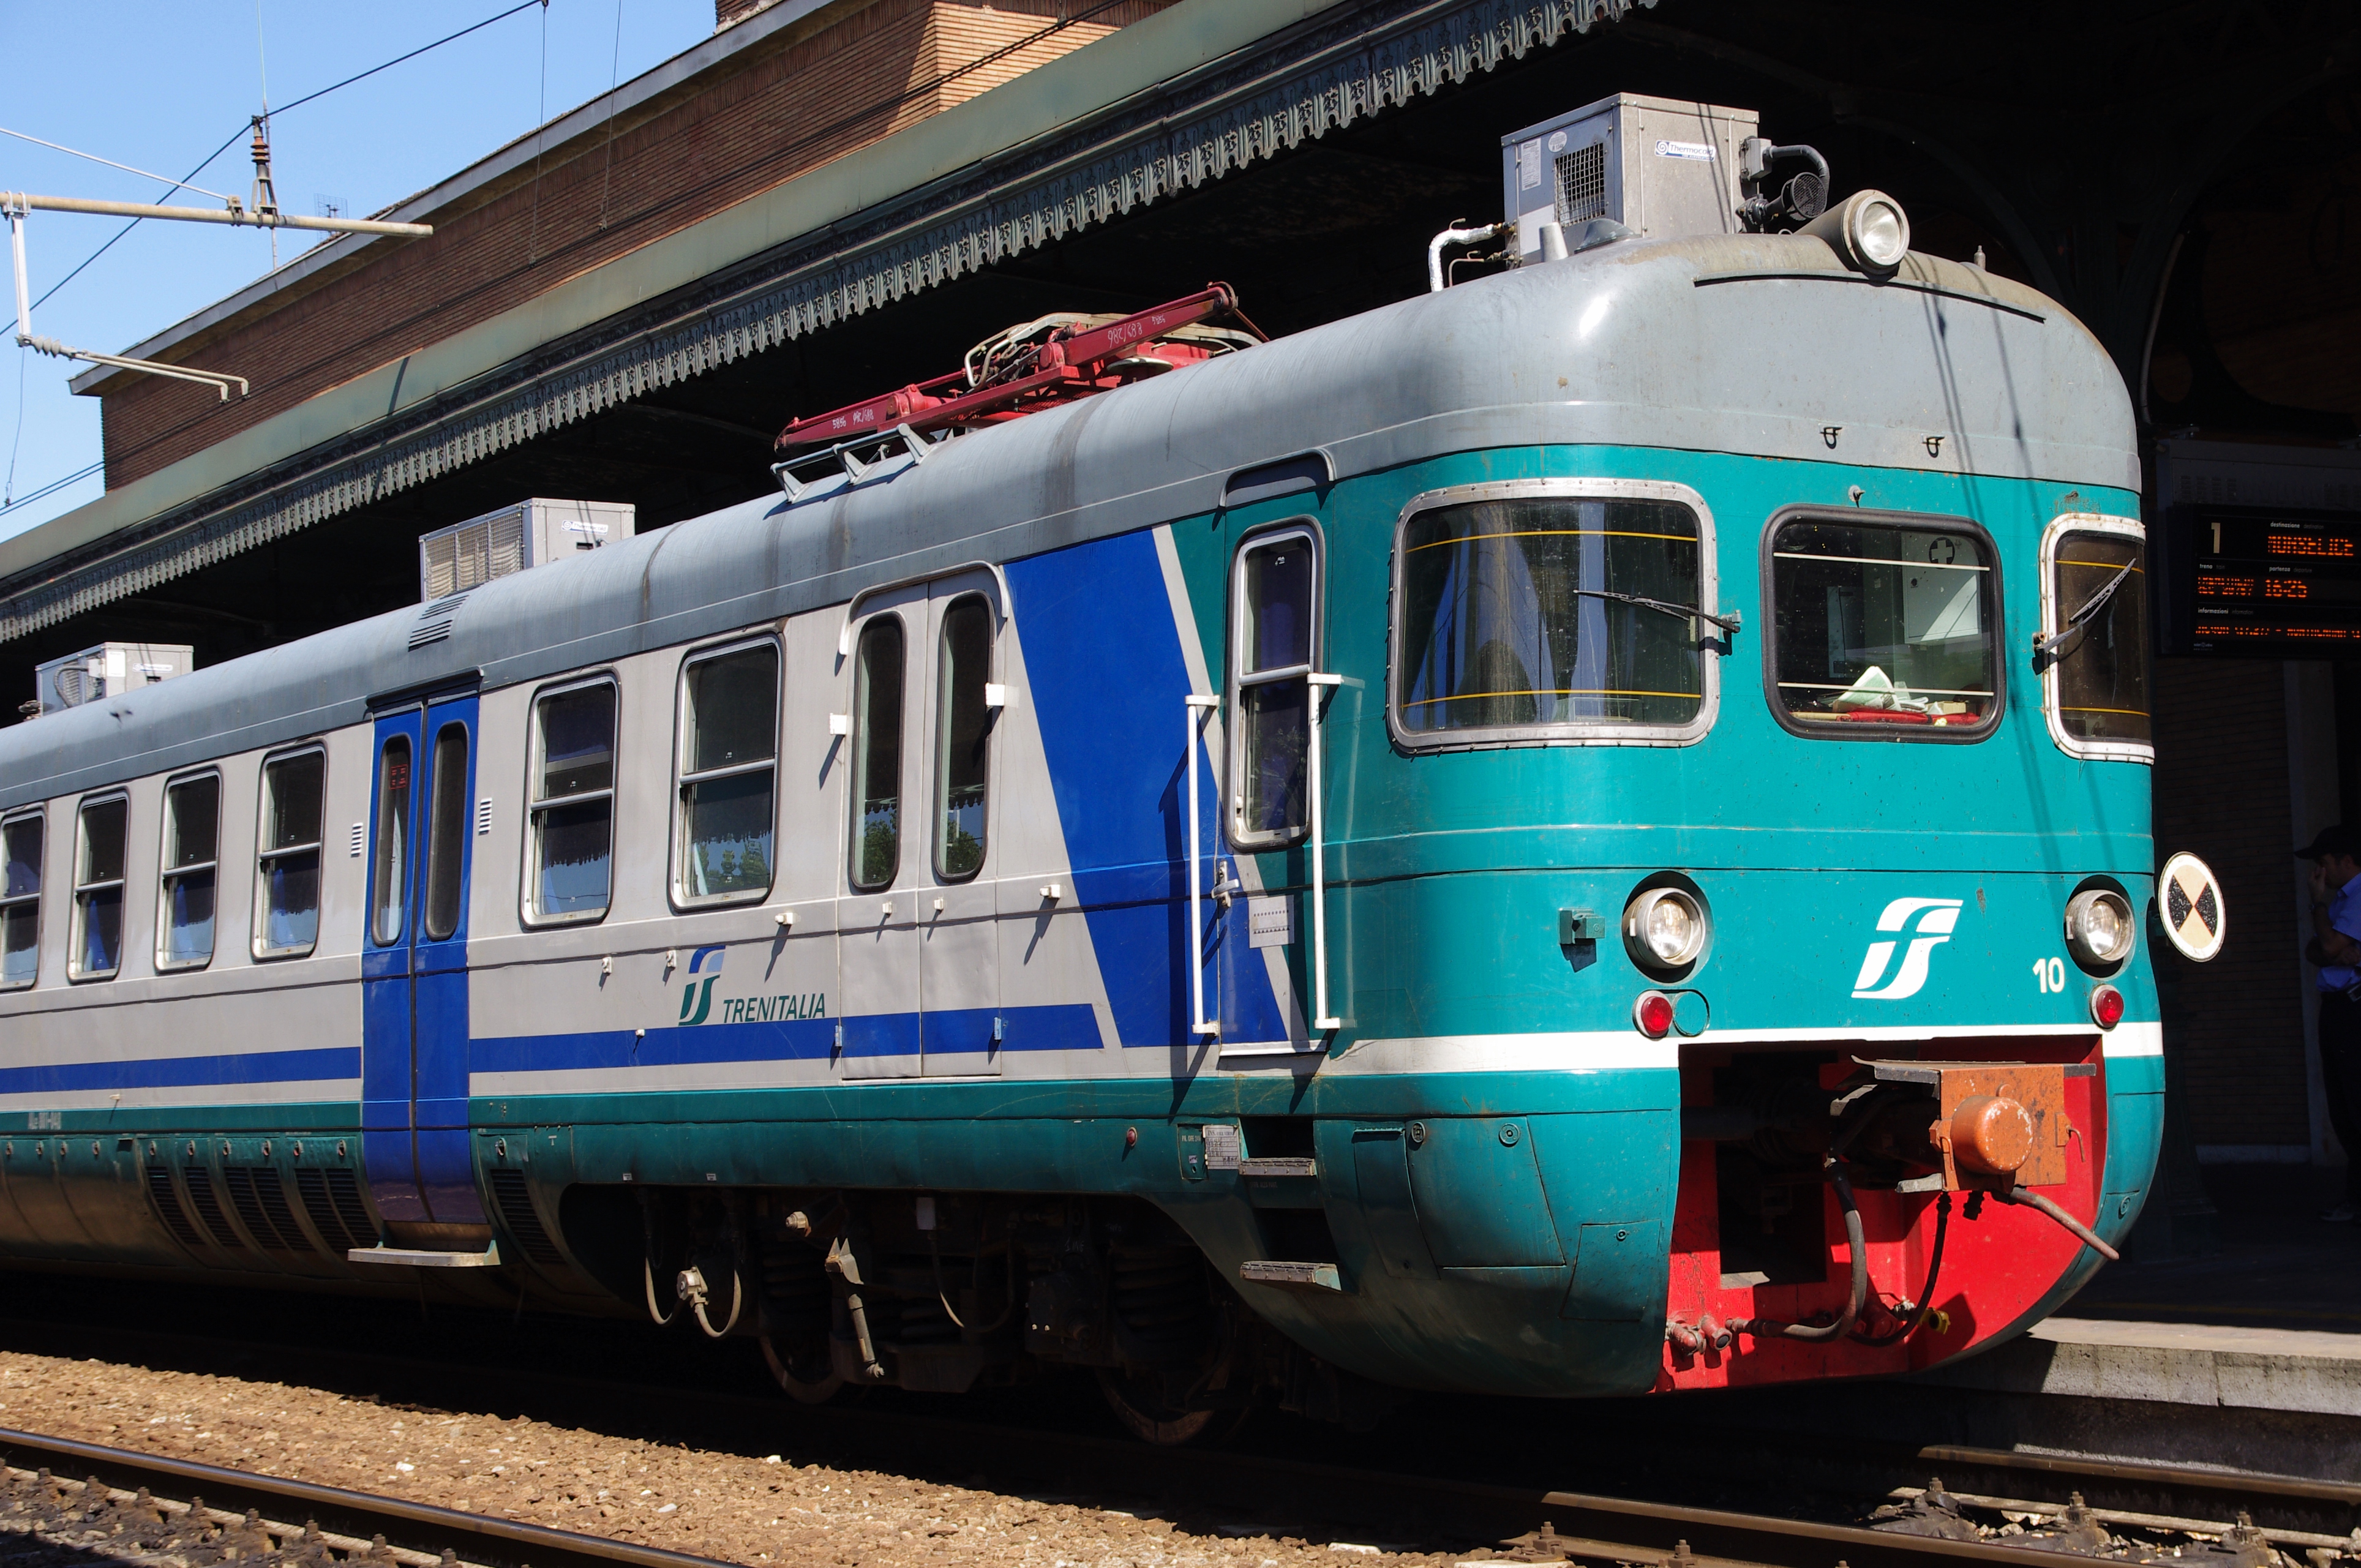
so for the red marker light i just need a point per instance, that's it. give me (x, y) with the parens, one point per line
(2107, 1006)
(1653, 1014)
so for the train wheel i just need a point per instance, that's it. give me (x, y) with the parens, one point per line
(1138, 1404)
(809, 1380)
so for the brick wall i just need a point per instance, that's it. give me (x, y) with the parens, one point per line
(2221, 793)
(852, 74)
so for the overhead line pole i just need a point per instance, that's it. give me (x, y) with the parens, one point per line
(18, 203)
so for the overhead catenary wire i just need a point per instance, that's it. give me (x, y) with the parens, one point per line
(283, 108)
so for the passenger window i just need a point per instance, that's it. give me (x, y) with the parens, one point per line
(729, 749)
(877, 754)
(1884, 630)
(20, 901)
(1524, 615)
(192, 843)
(390, 872)
(571, 835)
(446, 838)
(1277, 595)
(2096, 650)
(287, 860)
(963, 738)
(98, 889)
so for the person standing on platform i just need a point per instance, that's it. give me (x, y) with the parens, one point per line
(2336, 947)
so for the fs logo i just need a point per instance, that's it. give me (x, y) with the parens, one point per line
(1929, 922)
(697, 1000)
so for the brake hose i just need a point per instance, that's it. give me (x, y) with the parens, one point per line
(1771, 1328)
(2082, 1233)
(1917, 1314)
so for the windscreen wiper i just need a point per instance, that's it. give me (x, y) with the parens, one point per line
(1665, 607)
(2047, 652)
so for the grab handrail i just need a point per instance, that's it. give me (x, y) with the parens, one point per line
(1321, 1023)
(1192, 728)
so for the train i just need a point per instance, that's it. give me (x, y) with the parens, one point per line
(1583, 833)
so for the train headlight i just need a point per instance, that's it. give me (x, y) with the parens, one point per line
(1665, 928)
(2099, 930)
(1868, 230)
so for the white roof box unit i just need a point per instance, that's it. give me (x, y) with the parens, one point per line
(107, 670)
(530, 533)
(1661, 167)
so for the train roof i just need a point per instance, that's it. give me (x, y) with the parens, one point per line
(1749, 345)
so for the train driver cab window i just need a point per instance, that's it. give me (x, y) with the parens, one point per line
(192, 838)
(877, 754)
(1884, 630)
(963, 738)
(2093, 655)
(728, 758)
(1272, 620)
(287, 858)
(1531, 615)
(20, 900)
(97, 950)
(571, 839)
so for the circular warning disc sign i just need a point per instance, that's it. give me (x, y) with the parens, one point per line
(2188, 902)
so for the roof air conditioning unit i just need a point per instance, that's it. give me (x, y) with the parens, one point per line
(107, 670)
(1660, 168)
(530, 533)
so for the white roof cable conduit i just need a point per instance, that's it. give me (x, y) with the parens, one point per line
(1452, 235)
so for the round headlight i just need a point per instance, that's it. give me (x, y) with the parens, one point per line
(1882, 232)
(1665, 928)
(1868, 230)
(2099, 927)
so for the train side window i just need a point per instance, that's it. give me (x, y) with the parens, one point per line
(2094, 656)
(100, 828)
(963, 738)
(20, 900)
(1273, 619)
(287, 856)
(877, 754)
(389, 875)
(190, 874)
(1884, 629)
(728, 762)
(570, 839)
(447, 833)
(1555, 610)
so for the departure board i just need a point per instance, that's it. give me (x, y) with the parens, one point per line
(2269, 586)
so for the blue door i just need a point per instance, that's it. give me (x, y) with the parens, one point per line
(414, 966)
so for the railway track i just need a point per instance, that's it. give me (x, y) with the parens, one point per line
(399, 1533)
(197, 1504)
(2143, 1500)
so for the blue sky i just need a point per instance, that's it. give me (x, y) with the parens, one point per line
(158, 85)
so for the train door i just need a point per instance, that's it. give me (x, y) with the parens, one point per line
(959, 960)
(1266, 940)
(414, 965)
(886, 878)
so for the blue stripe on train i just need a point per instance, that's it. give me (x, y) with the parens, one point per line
(180, 1072)
(1103, 658)
(1070, 1027)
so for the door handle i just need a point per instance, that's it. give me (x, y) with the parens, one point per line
(1195, 712)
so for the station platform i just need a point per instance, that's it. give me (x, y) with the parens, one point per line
(2240, 1345)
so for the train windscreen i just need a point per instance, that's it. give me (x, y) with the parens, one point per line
(2099, 598)
(1550, 610)
(1884, 630)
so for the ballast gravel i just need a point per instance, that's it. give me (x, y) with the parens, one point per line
(766, 1510)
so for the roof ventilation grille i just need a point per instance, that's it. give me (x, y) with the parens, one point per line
(534, 533)
(434, 621)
